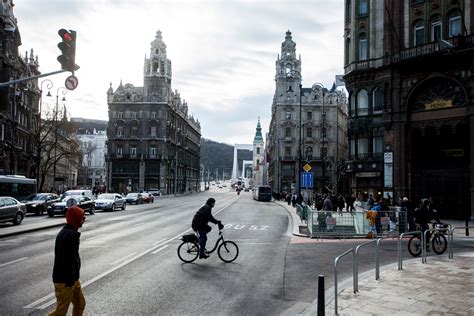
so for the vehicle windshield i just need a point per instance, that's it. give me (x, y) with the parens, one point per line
(36, 197)
(132, 195)
(67, 197)
(106, 196)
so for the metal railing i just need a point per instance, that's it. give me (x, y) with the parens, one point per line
(356, 263)
(451, 238)
(336, 261)
(399, 247)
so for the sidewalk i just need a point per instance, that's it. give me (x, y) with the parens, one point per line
(299, 227)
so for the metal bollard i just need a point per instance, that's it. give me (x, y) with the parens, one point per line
(321, 303)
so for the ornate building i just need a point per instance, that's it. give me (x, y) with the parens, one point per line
(308, 127)
(258, 156)
(18, 102)
(152, 141)
(409, 71)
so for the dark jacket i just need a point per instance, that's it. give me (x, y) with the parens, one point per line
(67, 262)
(202, 218)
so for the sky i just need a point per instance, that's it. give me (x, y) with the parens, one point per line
(223, 52)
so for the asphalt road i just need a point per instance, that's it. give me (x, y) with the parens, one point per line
(130, 265)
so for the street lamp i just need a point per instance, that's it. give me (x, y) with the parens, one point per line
(64, 92)
(290, 77)
(49, 85)
(323, 135)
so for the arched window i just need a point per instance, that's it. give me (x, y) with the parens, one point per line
(348, 10)
(418, 33)
(436, 29)
(377, 100)
(352, 104)
(455, 24)
(155, 66)
(362, 7)
(362, 102)
(362, 46)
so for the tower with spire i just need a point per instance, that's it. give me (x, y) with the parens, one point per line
(258, 156)
(287, 67)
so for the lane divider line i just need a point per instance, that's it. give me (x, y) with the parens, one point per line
(159, 249)
(12, 262)
(100, 276)
(122, 259)
(159, 242)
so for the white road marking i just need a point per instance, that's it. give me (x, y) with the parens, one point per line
(159, 249)
(100, 276)
(255, 243)
(122, 259)
(14, 261)
(139, 224)
(159, 242)
(95, 237)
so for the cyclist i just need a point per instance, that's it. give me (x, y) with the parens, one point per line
(423, 215)
(200, 224)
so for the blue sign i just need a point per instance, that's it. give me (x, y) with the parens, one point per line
(306, 180)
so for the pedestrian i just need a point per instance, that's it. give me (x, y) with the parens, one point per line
(340, 204)
(67, 263)
(327, 204)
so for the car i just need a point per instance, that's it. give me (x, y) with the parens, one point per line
(87, 193)
(155, 192)
(148, 197)
(110, 201)
(11, 210)
(38, 202)
(84, 202)
(134, 198)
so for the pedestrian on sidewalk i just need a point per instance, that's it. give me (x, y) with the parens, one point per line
(340, 204)
(67, 263)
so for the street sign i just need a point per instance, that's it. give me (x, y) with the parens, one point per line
(71, 82)
(307, 167)
(306, 179)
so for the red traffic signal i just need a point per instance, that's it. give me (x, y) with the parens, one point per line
(68, 50)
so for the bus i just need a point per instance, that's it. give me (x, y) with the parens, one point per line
(18, 187)
(262, 193)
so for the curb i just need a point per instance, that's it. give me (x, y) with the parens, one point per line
(29, 230)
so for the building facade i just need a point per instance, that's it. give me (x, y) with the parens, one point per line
(258, 156)
(92, 173)
(18, 102)
(409, 73)
(152, 142)
(307, 129)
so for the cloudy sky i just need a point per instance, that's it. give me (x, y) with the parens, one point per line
(223, 53)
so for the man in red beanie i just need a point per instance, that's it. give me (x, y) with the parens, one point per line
(67, 263)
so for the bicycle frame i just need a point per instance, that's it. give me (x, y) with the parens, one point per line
(220, 239)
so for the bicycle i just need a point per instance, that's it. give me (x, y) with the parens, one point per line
(437, 240)
(188, 250)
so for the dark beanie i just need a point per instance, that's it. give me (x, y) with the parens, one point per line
(74, 216)
(210, 201)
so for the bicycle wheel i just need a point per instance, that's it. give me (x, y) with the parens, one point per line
(439, 244)
(228, 251)
(414, 246)
(188, 251)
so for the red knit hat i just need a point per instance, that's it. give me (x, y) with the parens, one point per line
(74, 216)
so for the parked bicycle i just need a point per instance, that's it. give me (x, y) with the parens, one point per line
(188, 250)
(437, 240)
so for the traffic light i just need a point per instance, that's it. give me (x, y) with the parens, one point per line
(68, 50)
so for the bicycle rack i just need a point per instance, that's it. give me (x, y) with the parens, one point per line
(335, 274)
(451, 238)
(400, 259)
(356, 264)
(423, 252)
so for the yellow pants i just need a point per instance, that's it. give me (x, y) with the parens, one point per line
(65, 296)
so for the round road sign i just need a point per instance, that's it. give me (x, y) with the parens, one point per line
(71, 82)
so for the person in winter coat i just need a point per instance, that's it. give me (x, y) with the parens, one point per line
(67, 263)
(200, 224)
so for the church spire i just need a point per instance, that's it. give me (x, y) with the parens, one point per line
(258, 134)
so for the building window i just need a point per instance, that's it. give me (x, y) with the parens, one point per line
(362, 147)
(377, 100)
(352, 105)
(419, 33)
(152, 152)
(288, 132)
(309, 132)
(362, 103)
(258, 162)
(134, 115)
(119, 151)
(308, 153)
(120, 115)
(348, 51)
(378, 146)
(353, 148)
(120, 132)
(455, 25)
(153, 115)
(134, 132)
(436, 29)
(288, 115)
(309, 115)
(362, 7)
(362, 47)
(348, 10)
(287, 151)
(2, 132)
(258, 150)
(153, 131)
(133, 151)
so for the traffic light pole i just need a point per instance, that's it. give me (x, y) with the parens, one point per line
(6, 84)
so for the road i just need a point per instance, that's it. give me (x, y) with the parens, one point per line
(130, 266)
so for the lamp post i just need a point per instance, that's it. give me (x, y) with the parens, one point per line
(64, 92)
(323, 136)
(49, 86)
(290, 77)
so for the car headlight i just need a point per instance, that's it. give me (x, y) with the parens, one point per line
(34, 205)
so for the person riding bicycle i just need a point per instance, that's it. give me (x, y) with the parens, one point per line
(424, 215)
(200, 224)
